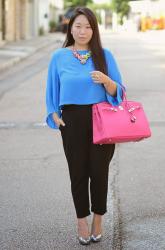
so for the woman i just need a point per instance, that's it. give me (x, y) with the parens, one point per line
(80, 74)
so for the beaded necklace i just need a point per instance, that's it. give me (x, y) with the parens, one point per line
(83, 58)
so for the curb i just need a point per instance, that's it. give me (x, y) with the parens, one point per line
(13, 61)
(25, 51)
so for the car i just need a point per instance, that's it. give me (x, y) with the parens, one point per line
(64, 20)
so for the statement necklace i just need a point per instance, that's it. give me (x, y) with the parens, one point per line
(83, 58)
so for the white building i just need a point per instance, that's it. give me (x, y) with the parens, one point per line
(23, 19)
(147, 7)
(43, 15)
(56, 9)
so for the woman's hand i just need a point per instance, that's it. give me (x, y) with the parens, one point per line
(58, 120)
(101, 78)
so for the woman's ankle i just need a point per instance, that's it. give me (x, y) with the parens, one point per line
(82, 221)
(96, 224)
(83, 229)
(97, 218)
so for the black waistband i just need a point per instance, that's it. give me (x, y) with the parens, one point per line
(76, 106)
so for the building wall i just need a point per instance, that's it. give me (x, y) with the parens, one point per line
(56, 9)
(21, 19)
(0, 21)
(10, 21)
(44, 15)
(33, 18)
(49, 10)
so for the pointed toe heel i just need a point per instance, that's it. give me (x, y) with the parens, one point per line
(84, 241)
(96, 238)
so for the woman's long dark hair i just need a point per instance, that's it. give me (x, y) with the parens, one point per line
(95, 42)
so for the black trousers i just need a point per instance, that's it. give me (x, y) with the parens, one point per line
(88, 163)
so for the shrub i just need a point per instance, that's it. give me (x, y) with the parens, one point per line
(41, 31)
(52, 26)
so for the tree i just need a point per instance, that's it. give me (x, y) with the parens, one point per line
(98, 7)
(74, 3)
(121, 7)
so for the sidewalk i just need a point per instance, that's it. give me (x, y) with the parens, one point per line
(13, 52)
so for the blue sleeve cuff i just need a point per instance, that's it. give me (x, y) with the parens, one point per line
(50, 121)
(115, 101)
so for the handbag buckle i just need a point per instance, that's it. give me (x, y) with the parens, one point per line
(133, 118)
(133, 108)
(113, 109)
(121, 108)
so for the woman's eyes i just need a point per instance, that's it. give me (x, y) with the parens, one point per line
(78, 26)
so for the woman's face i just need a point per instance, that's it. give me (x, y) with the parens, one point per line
(81, 30)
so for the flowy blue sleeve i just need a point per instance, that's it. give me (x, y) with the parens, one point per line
(52, 93)
(114, 74)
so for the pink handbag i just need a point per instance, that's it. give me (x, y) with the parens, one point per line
(115, 124)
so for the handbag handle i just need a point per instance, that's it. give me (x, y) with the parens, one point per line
(124, 92)
(128, 107)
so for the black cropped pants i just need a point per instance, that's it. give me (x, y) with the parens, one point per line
(88, 163)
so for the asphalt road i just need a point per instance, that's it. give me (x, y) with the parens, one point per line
(36, 209)
(140, 170)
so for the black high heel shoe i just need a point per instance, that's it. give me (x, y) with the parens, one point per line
(84, 241)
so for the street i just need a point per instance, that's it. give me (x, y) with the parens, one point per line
(36, 208)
